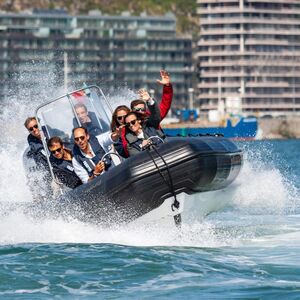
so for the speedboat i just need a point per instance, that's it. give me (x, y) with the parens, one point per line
(150, 184)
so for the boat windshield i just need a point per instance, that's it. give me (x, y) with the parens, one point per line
(87, 107)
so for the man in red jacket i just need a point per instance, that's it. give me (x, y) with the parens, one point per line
(166, 101)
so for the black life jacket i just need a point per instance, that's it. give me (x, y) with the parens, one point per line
(37, 151)
(89, 163)
(93, 126)
(64, 171)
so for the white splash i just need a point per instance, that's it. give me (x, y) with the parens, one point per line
(258, 190)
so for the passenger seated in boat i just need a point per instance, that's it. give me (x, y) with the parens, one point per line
(88, 119)
(118, 122)
(34, 139)
(88, 152)
(139, 105)
(138, 132)
(35, 163)
(61, 161)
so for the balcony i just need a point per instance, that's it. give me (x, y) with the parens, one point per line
(256, 31)
(219, 42)
(247, 20)
(236, 9)
(224, 53)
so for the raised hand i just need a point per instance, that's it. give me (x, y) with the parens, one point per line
(117, 133)
(165, 78)
(144, 95)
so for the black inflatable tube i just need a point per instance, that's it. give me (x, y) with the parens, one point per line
(136, 187)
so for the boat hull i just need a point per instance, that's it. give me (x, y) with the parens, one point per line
(142, 183)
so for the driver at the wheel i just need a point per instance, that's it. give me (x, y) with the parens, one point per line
(88, 153)
(138, 133)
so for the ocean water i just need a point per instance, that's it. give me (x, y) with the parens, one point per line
(249, 249)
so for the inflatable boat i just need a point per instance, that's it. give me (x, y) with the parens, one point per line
(143, 183)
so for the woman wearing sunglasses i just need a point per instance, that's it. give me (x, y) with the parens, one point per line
(118, 121)
(61, 160)
(138, 133)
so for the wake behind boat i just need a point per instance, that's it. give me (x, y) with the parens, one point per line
(142, 184)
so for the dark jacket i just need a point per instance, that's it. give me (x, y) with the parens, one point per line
(152, 120)
(134, 143)
(38, 173)
(37, 152)
(93, 127)
(119, 145)
(64, 171)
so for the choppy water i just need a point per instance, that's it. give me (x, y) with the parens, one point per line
(248, 250)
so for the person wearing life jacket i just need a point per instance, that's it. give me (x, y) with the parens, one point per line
(88, 152)
(152, 119)
(61, 161)
(34, 139)
(88, 119)
(35, 164)
(117, 122)
(138, 132)
(139, 105)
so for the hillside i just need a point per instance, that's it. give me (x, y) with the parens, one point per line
(185, 10)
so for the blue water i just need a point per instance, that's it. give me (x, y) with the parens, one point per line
(248, 250)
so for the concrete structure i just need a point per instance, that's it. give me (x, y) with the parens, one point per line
(250, 50)
(105, 50)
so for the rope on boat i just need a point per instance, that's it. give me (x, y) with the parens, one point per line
(170, 184)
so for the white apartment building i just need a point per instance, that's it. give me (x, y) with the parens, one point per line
(249, 50)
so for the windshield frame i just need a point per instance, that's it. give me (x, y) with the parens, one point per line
(68, 95)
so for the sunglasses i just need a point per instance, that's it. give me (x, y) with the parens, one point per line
(56, 150)
(80, 138)
(120, 118)
(131, 123)
(139, 109)
(33, 127)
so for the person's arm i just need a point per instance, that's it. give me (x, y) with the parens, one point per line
(120, 149)
(167, 95)
(154, 113)
(154, 118)
(80, 171)
(166, 100)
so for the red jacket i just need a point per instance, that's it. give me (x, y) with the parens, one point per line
(166, 100)
(164, 106)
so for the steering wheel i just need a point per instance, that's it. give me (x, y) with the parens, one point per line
(155, 137)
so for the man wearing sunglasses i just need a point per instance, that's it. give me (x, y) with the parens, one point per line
(88, 119)
(36, 165)
(61, 161)
(140, 106)
(34, 140)
(88, 153)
